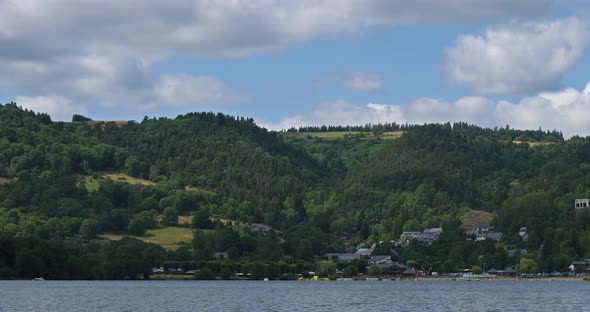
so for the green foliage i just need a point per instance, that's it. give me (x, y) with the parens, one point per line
(170, 216)
(201, 219)
(527, 266)
(326, 268)
(89, 229)
(375, 270)
(60, 180)
(205, 274)
(476, 269)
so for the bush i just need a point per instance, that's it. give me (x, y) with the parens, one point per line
(375, 270)
(205, 274)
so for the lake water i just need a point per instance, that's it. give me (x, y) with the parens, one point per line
(81, 296)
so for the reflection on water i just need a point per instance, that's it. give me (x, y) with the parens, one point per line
(83, 296)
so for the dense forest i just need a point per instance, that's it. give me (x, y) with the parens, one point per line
(274, 204)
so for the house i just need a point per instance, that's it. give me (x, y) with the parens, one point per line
(497, 236)
(343, 256)
(492, 271)
(393, 268)
(426, 238)
(365, 251)
(481, 236)
(264, 230)
(410, 272)
(580, 266)
(581, 203)
(380, 259)
(430, 235)
(482, 227)
(433, 231)
(220, 255)
(406, 237)
(509, 271)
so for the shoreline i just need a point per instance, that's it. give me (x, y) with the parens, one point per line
(512, 279)
(174, 277)
(397, 279)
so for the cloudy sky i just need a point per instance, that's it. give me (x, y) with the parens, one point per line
(524, 63)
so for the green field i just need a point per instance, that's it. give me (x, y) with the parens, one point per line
(128, 179)
(533, 144)
(334, 135)
(92, 184)
(169, 237)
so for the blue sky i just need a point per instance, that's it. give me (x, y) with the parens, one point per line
(291, 63)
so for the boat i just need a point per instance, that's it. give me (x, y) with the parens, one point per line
(347, 279)
(38, 279)
(266, 279)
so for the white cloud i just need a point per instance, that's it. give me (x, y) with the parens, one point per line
(103, 51)
(567, 110)
(340, 113)
(183, 89)
(477, 110)
(58, 107)
(520, 58)
(360, 81)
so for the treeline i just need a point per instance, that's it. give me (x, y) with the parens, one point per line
(498, 133)
(318, 196)
(380, 127)
(32, 257)
(230, 156)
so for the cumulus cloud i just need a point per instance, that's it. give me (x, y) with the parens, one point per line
(360, 81)
(182, 89)
(58, 107)
(103, 51)
(340, 113)
(567, 110)
(520, 58)
(37, 28)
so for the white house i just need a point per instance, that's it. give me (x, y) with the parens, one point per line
(581, 203)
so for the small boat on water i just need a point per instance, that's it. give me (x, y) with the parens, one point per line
(266, 279)
(38, 279)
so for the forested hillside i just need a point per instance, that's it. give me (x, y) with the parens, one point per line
(266, 196)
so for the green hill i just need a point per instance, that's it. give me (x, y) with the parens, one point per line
(63, 186)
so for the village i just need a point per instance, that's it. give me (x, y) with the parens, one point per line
(477, 226)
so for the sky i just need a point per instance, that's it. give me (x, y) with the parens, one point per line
(522, 63)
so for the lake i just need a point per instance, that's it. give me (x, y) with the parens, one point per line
(83, 296)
